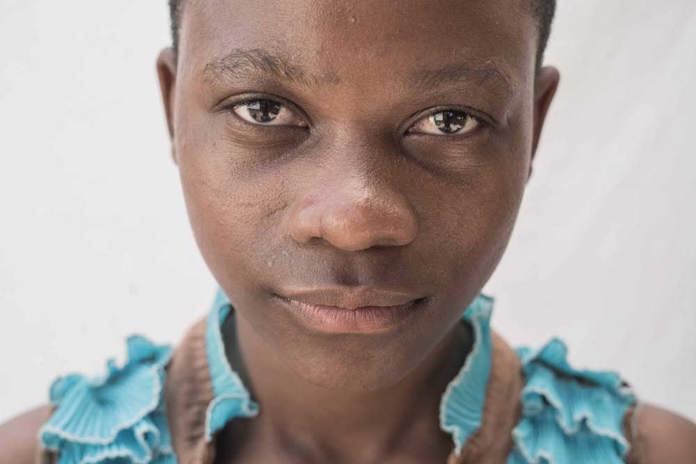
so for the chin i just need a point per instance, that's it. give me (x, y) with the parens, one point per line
(357, 363)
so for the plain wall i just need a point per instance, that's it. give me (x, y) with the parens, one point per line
(95, 243)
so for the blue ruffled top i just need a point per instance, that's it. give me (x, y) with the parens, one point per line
(568, 414)
(116, 418)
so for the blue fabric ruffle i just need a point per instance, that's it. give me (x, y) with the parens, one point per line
(230, 396)
(569, 415)
(461, 406)
(116, 418)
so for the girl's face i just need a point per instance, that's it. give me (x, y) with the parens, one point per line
(354, 144)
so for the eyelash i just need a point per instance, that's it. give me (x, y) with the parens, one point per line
(468, 116)
(277, 101)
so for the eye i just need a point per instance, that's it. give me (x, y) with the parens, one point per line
(266, 112)
(447, 122)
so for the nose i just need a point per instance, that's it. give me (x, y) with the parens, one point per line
(353, 209)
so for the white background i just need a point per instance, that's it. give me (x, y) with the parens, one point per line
(95, 244)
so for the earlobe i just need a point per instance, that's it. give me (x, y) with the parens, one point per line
(545, 86)
(166, 73)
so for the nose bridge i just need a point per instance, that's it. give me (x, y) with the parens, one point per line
(354, 200)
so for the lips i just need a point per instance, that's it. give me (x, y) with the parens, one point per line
(356, 310)
(350, 298)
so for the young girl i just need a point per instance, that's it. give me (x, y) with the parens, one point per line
(352, 173)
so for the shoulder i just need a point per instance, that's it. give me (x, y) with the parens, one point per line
(659, 436)
(19, 442)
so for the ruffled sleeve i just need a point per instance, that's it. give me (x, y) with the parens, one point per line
(116, 418)
(569, 415)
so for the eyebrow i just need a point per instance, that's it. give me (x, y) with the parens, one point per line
(453, 73)
(242, 62)
(245, 62)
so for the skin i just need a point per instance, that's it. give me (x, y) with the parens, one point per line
(353, 185)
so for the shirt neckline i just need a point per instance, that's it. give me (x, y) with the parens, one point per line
(461, 405)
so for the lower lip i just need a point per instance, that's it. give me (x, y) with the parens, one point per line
(367, 319)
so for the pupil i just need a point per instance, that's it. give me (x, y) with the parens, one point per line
(450, 121)
(263, 110)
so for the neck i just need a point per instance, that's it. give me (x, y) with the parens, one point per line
(318, 424)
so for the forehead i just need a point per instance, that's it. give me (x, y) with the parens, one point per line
(362, 43)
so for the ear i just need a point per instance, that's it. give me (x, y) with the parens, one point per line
(545, 86)
(166, 72)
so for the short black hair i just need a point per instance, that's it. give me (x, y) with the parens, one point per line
(543, 11)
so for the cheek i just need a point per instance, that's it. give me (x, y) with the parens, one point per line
(500, 190)
(232, 213)
(498, 211)
(474, 230)
(471, 219)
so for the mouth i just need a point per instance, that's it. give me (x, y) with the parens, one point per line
(351, 309)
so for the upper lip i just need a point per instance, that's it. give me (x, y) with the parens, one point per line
(350, 297)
